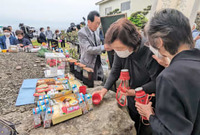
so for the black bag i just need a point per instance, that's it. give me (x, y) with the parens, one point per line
(7, 128)
(39, 40)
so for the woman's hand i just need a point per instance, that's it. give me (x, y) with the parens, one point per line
(130, 92)
(145, 110)
(164, 61)
(101, 92)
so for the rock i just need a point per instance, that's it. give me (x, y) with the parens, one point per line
(35, 65)
(37, 61)
(18, 67)
(8, 73)
(42, 65)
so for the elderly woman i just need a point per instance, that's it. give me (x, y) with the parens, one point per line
(131, 54)
(177, 109)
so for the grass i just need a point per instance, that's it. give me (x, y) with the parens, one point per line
(35, 43)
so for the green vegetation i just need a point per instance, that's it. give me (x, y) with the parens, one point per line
(139, 18)
(116, 11)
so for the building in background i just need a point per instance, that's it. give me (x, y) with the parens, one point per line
(125, 6)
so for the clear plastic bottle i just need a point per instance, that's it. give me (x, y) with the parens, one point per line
(36, 117)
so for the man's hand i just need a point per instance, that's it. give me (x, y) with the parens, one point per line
(130, 92)
(21, 45)
(144, 110)
(164, 61)
(107, 47)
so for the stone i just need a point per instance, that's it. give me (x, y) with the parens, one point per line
(18, 67)
(42, 65)
(35, 65)
(37, 61)
(8, 73)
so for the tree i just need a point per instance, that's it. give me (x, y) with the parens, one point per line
(139, 18)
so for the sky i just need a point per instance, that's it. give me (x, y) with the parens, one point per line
(58, 14)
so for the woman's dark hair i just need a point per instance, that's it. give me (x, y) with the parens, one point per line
(91, 15)
(6, 28)
(56, 31)
(125, 31)
(19, 32)
(41, 29)
(172, 27)
(82, 23)
(78, 26)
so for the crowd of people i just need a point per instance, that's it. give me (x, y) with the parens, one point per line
(13, 38)
(162, 60)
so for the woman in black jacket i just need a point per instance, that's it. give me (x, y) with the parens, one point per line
(177, 109)
(42, 36)
(131, 54)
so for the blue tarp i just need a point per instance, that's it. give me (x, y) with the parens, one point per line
(26, 92)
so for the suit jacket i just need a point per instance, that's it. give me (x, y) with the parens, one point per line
(3, 41)
(178, 96)
(89, 50)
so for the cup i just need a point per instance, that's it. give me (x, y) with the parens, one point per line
(96, 99)
(82, 89)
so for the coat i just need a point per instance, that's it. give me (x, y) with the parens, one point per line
(89, 51)
(3, 41)
(178, 96)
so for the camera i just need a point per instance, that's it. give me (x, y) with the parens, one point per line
(28, 31)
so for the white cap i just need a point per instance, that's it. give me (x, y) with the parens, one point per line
(139, 89)
(124, 70)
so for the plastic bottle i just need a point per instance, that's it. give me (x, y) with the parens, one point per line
(43, 111)
(83, 105)
(48, 117)
(124, 85)
(88, 100)
(141, 97)
(36, 117)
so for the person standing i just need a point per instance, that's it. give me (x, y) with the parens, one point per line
(12, 33)
(49, 35)
(42, 36)
(90, 46)
(177, 110)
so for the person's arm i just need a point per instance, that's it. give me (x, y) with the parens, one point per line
(83, 41)
(1, 43)
(115, 73)
(170, 115)
(154, 70)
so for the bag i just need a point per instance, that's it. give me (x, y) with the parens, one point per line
(7, 128)
(41, 52)
(39, 40)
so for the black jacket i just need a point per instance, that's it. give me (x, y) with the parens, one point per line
(178, 97)
(23, 41)
(43, 37)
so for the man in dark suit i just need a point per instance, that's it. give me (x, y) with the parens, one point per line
(90, 45)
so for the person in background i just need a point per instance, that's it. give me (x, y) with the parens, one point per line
(7, 39)
(21, 40)
(49, 36)
(12, 33)
(177, 110)
(42, 36)
(196, 36)
(82, 24)
(62, 37)
(90, 46)
(56, 37)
